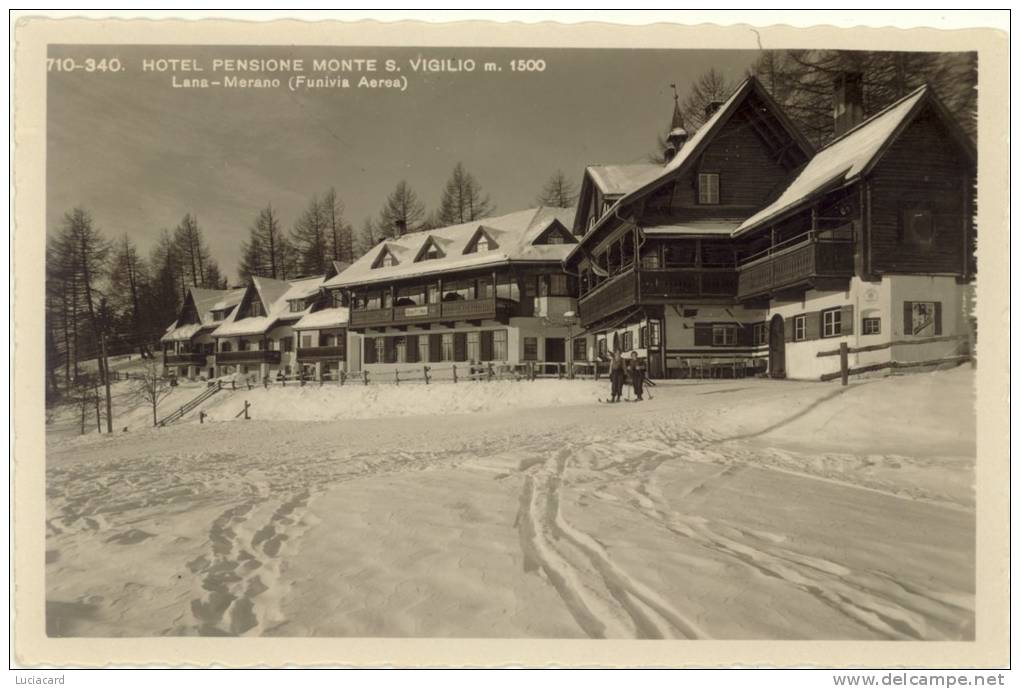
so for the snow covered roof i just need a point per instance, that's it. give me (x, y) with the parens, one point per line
(514, 234)
(616, 180)
(334, 317)
(843, 160)
(275, 296)
(206, 301)
(702, 228)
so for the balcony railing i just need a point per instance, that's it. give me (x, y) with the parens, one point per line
(320, 353)
(654, 286)
(799, 263)
(185, 359)
(251, 356)
(474, 309)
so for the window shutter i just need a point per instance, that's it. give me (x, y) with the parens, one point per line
(389, 351)
(412, 349)
(435, 348)
(813, 325)
(486, 345)
(938, 318)
(369, 343)
(788, 329)
(460, 346)
(702, 335)
(908, 318)
(846, 324)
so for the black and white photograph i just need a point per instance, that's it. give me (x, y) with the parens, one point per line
(507, 342)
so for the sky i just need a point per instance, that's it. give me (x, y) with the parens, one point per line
(139, 153)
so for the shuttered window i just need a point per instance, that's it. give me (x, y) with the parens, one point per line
(474, 346)
(580, 349)
(799, 328)
(531, 349)
(708, 188)
(370, 350)
(447, 351)
(435, 348)
(485, 345)
(832, 320)
(460, 347)
(500, 351)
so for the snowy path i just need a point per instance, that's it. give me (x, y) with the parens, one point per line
(688, 517)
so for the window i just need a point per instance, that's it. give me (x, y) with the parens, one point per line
(255, 309)
(336, 298)
(799, 328)
(558, 285)
(654, 333)
(423, 348)
(724, 335)
(219, 315)
(871, 326)
(287, 344)
(650, 258)
(387, 300)
(580, 349)
(224, 346)
(243, 346)
(554, 238)
(499, 345)
(433, 297)
(482, 244)
(296, 305)
(531, 349)
(385, 259)
(530, 285)
(400, 345)
(380, 350)
(603, 346)
(680, 254)
(708, 188)
(832, 321)
(760, 334)
(474, 346)
(429, 251)
(628, 340)
(643, 337)
(918, 227)
(447, 351)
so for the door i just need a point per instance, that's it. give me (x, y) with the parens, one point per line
(556, 350)
(777, 347)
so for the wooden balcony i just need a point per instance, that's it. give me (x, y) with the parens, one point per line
(812, 262)
(185, 359)
(251, 356)
(655, 286)
(320, 353)
(475, 309)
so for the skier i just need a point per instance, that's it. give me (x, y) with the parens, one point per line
(616, 371)
(637, 375)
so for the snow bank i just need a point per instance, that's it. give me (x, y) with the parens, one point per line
(330, 401)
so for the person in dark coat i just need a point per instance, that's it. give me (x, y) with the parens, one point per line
(636, 369)
(617, 369)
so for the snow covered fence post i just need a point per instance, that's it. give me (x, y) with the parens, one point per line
(455, 373)
(201, 417)
(396, 376)
(246, 405)
(364, 376)
(844, 372)
(425, 374)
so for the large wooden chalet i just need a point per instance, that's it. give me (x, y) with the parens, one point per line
(493, 290)
(749, 244)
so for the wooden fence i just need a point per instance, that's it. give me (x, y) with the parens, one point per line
(844, 352)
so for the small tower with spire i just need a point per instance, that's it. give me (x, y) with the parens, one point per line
(677, 136)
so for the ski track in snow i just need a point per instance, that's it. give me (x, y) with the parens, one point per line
(239, 579)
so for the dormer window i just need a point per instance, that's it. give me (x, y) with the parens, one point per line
(430, 250)
(255, 310)
(555, 234)
(708, 188)
(386, 259)
(482, 241)
(297, 305)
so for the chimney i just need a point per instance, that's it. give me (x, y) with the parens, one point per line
(712, 107)
(400, 226)
(847, 102)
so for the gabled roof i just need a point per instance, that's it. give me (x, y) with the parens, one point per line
(852, 155)
(616, 180)
(205, 302)
(691, 150)
(513, 232)
(275, 296)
